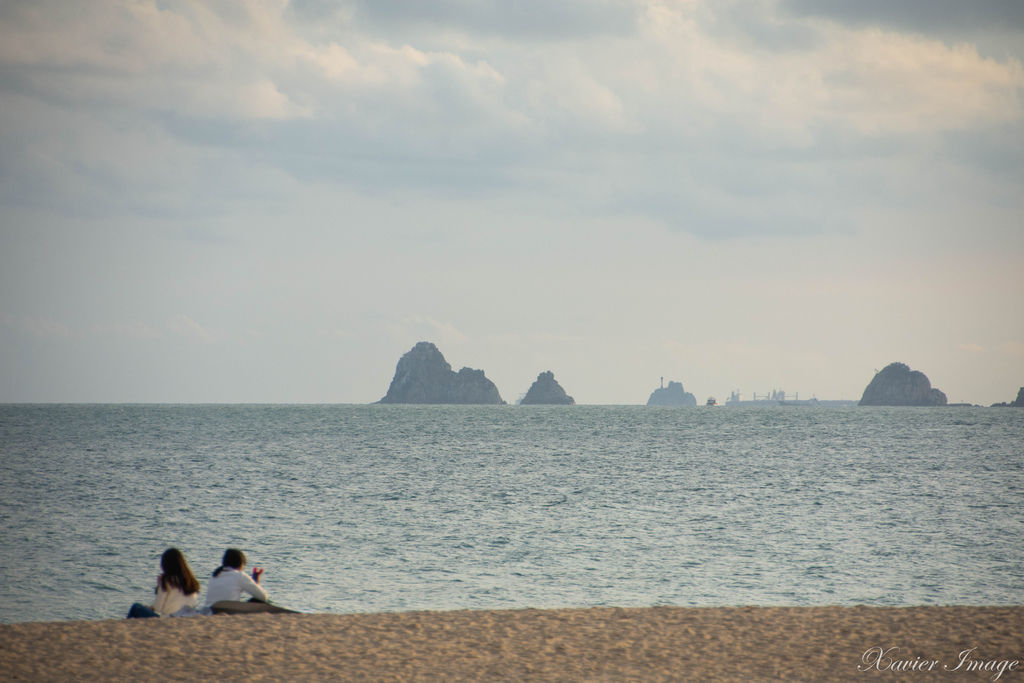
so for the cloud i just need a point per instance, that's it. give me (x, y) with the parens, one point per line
(877, 82)
(972, 348)
(178, 56)
(711, 118)
(527, 19)
(186, 327)
(897, 83)
(131, 330)
(44, 328)
(924, 16)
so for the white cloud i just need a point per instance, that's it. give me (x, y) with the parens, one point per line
(875, 81)
(46, 328)
(181, 57)
(129, 330)
(525, 20)
(887, 82)
(244, 64)
(186, 327)
(667, 86)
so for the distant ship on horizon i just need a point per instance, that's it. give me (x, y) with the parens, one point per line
(777, 397)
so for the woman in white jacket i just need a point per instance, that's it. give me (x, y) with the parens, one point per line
(176, 588)
(230, 581)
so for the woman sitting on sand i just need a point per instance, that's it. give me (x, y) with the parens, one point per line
(176, 589)
(230, 581)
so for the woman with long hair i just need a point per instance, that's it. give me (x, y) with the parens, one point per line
(176, 588)
(230, 580)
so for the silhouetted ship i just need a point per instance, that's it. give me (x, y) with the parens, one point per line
(778, 398)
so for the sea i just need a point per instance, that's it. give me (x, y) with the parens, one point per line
(370, 508)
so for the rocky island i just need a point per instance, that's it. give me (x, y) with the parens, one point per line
(424, 376)
(672, 395)
(1016, 403)
(547, 391)
(898, 385)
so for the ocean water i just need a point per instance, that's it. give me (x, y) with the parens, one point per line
(388, 508)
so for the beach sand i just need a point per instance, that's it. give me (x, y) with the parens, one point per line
(595, 644)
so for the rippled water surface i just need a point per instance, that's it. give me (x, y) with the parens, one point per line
(383, 508)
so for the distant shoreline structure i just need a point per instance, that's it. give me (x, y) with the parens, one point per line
(821, 403)
(778, 397)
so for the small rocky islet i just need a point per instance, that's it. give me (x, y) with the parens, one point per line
(547, 391)
(424, 376)
(1016, 403)
(897, 385)
(672, 395)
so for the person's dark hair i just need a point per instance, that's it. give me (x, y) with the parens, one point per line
(177, 573)
(234, 558)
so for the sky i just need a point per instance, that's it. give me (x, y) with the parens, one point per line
(272, 201)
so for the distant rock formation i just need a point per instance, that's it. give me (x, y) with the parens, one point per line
(1016, 403)
(424, 376)
(672, 395)
(546, 391)
(898, 385)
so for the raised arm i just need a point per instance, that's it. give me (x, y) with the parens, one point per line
(251, 587)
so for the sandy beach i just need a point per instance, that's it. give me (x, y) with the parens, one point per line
(595, 644)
